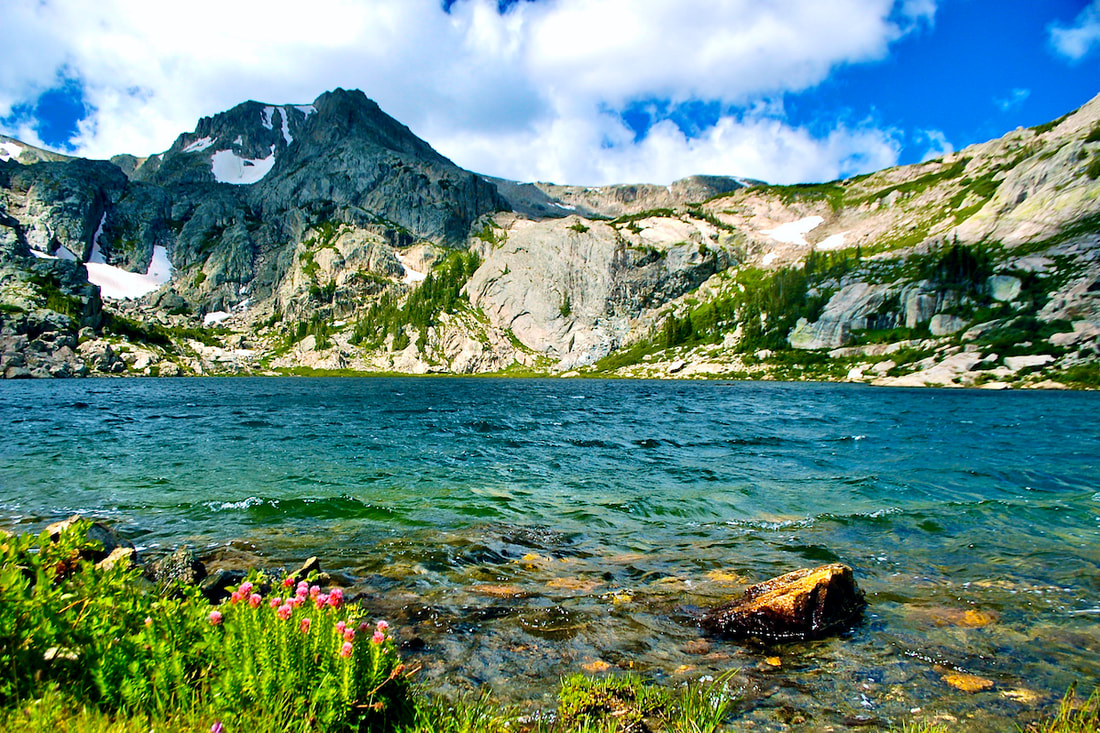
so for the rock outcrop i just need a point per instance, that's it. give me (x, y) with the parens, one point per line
(805, 604)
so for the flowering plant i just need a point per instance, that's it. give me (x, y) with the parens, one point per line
(308, 656)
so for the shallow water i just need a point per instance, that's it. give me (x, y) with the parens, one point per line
(524, 529)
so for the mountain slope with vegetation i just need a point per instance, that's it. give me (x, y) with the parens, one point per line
(327, 237)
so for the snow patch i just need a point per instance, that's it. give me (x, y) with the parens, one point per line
(306, 109)
(63, 253)
(114, 282)
(266, 117)
(11, 151)
(199, 145)
(567, 207)
(834, 242)
(239, 140)
(794, 232)
(286, 126)
(411, 275)
(769, 258)
(228, 167)
(213, 319)
(97, 256)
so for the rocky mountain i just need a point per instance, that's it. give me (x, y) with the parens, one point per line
(329, 237)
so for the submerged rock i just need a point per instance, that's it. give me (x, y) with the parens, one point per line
(805, 604)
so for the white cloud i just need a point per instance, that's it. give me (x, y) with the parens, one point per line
(1076, 41)
(533, 93)
(938, 145)
(599, 149)
(1014, 99)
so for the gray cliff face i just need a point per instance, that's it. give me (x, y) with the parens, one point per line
(574, 291)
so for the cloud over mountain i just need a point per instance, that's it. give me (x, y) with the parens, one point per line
(536, 91)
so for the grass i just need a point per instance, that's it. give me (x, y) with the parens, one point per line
(1073, 717)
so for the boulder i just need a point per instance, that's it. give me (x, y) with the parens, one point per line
(1004, 288)
(216, 587)
(97, 532)
(943, 324)
(120, 557)
(805, 604)
(182, 567)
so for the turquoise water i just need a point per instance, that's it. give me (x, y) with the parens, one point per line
(519, 530)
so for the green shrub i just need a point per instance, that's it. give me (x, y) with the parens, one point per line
(110, 642)
(1093, 169)
(579, 228)
(92, 631)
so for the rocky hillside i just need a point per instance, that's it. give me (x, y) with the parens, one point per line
(329, 237)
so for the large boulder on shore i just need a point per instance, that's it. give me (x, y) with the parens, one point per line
(805, 604)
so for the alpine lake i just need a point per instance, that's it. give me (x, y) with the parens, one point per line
(515, 531)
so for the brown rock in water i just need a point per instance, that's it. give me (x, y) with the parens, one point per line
(806, 604)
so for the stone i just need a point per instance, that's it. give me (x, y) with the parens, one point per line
(944, 325)
(966, 682)
(1016, 363)
(216, 586)
(1004, 288)
(120, 556)
(804, 604)
(108, 538)
(312, 566)
(181, 567)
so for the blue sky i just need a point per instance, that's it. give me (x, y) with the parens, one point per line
(574, 91)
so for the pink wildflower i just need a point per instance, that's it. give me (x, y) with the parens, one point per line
(303, 586)
(314, 591)
(349, 634)
(288, 582)
(345, 650)
(284, 611)
(217, 727)
(340, 626)
(245, 589)
(275, 602)
(378, 637)
(215, 617)
(383, 625)
(320, 600)
(363, 627)
(255, 600)
(235, 596)
(148, 620)
(336, 597)
(305, 625)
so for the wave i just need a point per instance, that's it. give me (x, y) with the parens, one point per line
(335, 507)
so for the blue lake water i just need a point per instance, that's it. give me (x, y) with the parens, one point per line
(525, 529)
